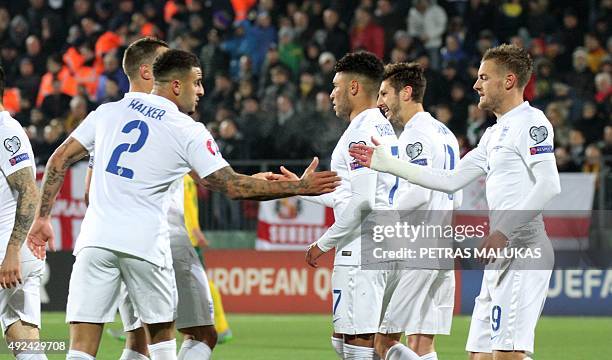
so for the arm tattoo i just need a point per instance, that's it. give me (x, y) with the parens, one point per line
(238, 186)
(57, 165)
(24, 184)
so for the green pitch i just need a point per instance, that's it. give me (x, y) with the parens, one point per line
(283, 337)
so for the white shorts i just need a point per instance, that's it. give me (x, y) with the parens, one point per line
(418, 302)
(95, 286)
(195, 305)
(506, 312)
(23, 302)
(357, 299)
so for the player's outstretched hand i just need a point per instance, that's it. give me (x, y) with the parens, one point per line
(268, 175)
(314, 252)
(495, 240)
(318, 182)
(289, 175)
(41, 234)
(10, 270)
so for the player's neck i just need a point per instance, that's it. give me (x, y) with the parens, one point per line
(2, 107)
(409, 111)
(361, 107)
(142, 87)
(510, 103)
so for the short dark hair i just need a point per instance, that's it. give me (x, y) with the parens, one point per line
(174, 61)
(514, 59)
(364, 64)
(141, 51)
(2, 83)
(407, 74)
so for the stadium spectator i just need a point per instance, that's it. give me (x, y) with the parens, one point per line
(366, 34)
(427, 22)
(580, 78)
(114, 72)
(333, 36)
(327, 61)
(390, 18)
(56, 103)
(231, 141)
(281, 85)
(34, 52)
(595, 53)
(296, 128)
(564, 160)
(78, 112)
(302, 27)
(577, 145)
(28, 80)
(290, 52)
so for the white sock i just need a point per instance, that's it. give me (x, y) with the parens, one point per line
(338, 345)
(165, 350)
(78, 355)
(128, 354)
(401, 352)
(430, 356)
(31, 357)
(352, 352)
(192, 349)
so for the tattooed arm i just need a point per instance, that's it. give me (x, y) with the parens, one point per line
(63, 157)
(41, 232)
(238, 186)
(22, 182)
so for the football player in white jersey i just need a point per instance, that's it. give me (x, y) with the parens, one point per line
(143, 143)
(517, 157)
(357, 293)
(419, 301)
(194, 315)
(20, 271)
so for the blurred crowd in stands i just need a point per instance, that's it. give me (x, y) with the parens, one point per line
(268, 65)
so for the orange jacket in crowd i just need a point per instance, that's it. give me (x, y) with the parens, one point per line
(69, 84)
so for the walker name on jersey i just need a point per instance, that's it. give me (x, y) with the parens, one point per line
(146, 110)
(19, 158)
(541, 149)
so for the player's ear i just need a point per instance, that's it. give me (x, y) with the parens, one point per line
(354, 88)
(176, 87)
(510, 81)
(145, 71)
(406, 93)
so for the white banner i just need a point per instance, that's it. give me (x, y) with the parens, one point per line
(291, 224)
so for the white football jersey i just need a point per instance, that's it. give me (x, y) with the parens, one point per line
(426, 141)
(176, 215)
(366, 124)
(521, 137)
(143, 143)
(15, 154)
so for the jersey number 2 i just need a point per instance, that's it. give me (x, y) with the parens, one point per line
(113, 165)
